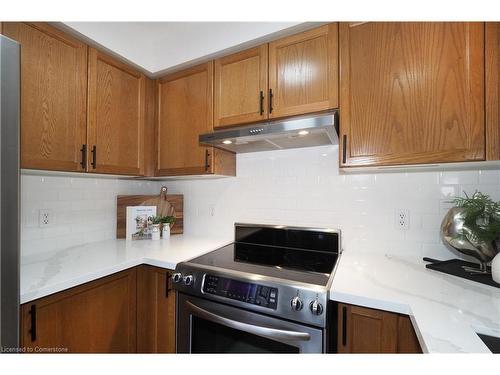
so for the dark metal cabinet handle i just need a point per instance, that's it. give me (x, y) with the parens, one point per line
(261, 102)
(32, 330)
(344, 148)
(344, 325)
(94, 157)
(271, 100)
(168, 284)
(83, 150)
(207, 163)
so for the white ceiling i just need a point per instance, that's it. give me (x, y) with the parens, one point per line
(158, 47)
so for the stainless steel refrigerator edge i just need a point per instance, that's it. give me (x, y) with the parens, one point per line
(9, 191)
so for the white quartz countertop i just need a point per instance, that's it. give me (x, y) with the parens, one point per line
(446, 311)
(49, 273)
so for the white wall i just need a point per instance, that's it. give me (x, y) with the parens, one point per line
(297, 187)
(304, 187)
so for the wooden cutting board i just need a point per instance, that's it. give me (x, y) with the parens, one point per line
(122, 201)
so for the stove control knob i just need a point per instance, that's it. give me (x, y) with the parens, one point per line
(188, 280)
(316, 307)
(177, 277)
(296, 304)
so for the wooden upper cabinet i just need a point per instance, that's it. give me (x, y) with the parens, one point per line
(150, 141)
(96, 317)
(116, 115)
(185, 110)
(411, 93)
(492, 91)
(303, 72)
(53, 97)
(241, 87)
(185, 103)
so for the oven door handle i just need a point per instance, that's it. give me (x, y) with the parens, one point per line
(271, 333)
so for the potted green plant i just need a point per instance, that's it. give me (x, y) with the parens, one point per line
(167, 222)
(155, 227)
(472, 227)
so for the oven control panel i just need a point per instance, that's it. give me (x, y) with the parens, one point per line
(241, 291)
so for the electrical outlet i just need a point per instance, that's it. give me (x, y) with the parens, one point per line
(45, 218)
(211, 210)
(402, 219)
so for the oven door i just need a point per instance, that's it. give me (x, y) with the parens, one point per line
(205, 326)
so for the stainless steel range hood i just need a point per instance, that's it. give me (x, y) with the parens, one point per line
(304, 131)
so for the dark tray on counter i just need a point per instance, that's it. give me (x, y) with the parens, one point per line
(454, 267)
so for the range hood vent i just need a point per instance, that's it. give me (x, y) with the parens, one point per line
(304, 131)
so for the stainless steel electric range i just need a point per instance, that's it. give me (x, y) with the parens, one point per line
(267, 292)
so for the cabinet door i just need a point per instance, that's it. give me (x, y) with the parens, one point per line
(116, 116)
(97, 317)
(155, 311)
(363, 330)
(150, 141)
(303, 72)
(241, 87)
(407, 339)
(411, 93)
(184, 112)
(53, 97)
(492, 91)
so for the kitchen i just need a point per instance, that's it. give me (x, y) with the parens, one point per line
(307, 187)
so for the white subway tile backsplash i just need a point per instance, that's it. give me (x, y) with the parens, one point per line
(440, 252)
(71, 194)
(304, 187)
(459, 177)
(292, 187)
(431, 221)
(489, 177)
(492, 190)
(83, 209)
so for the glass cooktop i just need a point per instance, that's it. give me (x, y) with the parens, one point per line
(290, 264)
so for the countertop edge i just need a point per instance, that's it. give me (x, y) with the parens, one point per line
(146, 259)
(77, 281)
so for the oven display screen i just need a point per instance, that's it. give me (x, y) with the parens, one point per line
(246, 292)
(239, 288)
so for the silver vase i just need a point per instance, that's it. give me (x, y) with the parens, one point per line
(458, 236)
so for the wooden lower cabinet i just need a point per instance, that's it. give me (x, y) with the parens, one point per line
(96, 317)
(128, 312)
(364, 330)
(155, 311)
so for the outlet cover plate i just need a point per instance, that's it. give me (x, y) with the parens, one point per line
(45, 218)
(402, 219)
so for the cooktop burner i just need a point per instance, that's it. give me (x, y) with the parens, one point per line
(273, 270)
(269, 255)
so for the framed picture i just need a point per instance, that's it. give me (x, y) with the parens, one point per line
(139, 219)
